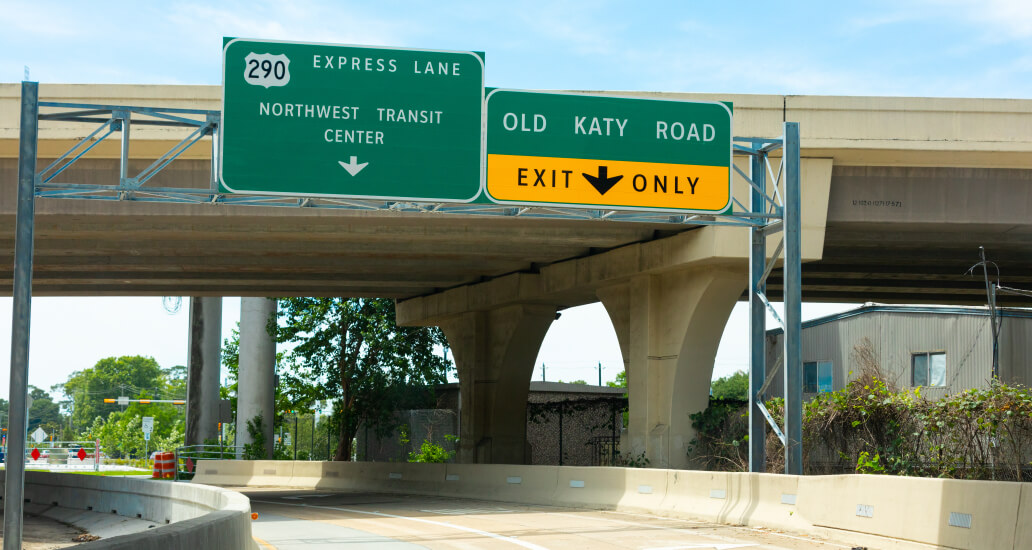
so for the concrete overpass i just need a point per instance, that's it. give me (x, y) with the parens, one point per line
(918, 184)
(898, 194)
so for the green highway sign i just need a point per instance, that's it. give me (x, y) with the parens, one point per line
(592, 151)
(322, 120)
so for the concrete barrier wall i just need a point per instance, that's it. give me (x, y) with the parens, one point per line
(1023, 534)
(945, 512)
(192, 516)
(876, 511)
(509, 483)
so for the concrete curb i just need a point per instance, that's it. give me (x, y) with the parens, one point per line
(190, 516)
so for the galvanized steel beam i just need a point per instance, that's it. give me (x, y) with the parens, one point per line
(17, 424)
(757, 319)
(793, 304)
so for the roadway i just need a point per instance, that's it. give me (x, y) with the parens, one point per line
(295, 519)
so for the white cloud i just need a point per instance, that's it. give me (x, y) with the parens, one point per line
(43, 21)
(864, 23)
(702, 71)
(997, 18)
(572, 26)
(303, 21)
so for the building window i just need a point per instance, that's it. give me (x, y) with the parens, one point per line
(817, 377)
(928, 369)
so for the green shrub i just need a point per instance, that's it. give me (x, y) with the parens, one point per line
(868, 427)
(430, 452)
(256, 449)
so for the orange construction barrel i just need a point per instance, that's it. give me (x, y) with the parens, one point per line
(170, 465)
(164, 466)
(157, 466)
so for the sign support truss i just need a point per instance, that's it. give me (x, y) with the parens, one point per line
(120, 118)
(786, 220)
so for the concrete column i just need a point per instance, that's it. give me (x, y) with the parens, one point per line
(494, 353)
(203, 364)
(257, 370)
(617, 301)
(669, 326)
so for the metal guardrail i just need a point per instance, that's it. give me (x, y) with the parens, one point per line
(187, 457)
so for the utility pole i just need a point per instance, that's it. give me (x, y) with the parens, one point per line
(995, 322)
(600, 373)
(542, 372)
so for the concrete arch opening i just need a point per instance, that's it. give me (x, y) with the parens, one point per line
(669, 327)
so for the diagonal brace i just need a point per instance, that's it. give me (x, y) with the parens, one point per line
(773, 260)
(770, 420)
(756, 187)
(169, 156)
(770, 308)
(776, 179)
(110, 128)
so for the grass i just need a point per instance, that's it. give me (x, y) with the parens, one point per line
(108, 473)
(93, 473)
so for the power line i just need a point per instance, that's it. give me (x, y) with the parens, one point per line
(1018, 291)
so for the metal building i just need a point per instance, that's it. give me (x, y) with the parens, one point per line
(941, 349)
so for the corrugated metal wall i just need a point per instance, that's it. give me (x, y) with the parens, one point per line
(895, 336)
(1016, 351)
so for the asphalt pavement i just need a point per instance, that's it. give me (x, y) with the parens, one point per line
(312, 520)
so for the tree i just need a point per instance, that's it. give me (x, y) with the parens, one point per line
(620, 382)
(121, 432)
(735, 386)
(173, 381)
(352, 352)
(112, 377)
(231, 359)
(44, 413)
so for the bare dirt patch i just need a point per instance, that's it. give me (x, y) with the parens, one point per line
(43, 534)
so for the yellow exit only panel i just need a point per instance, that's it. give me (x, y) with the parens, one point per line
(564, 181)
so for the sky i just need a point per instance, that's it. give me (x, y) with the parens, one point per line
(931, 48)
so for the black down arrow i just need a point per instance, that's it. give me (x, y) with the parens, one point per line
(602, 182)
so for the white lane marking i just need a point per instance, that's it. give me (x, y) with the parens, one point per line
(467, 511)
(496, 536)
(707, 546)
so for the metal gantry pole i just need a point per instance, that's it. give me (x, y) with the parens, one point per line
(123, 167)
(793, 304)
(757, 316)
(18, 425)
(216, 132)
